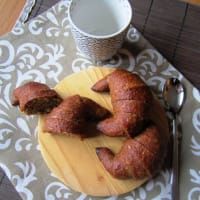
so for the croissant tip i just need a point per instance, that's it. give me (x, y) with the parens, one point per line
(94, 89)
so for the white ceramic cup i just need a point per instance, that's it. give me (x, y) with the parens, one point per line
(99, 26)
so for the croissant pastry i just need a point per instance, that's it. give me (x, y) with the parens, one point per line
(35, 98)
(139, 157)
(131, 100)
(72, 114)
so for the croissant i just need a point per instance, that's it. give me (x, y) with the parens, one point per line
(139, 157)
(131, 100)
(143, 153)
(72, 115)
(35, 98)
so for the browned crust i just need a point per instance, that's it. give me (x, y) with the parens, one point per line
(35, 98)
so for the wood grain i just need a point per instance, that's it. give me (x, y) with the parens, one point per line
(196, 2)
(9, 13)
(73, 160)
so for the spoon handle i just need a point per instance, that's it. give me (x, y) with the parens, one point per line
(175, 162)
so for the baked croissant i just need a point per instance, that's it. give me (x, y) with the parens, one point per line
(72, 115)
(140, 157)
(131, 100)
(35, 98)
(143, 153)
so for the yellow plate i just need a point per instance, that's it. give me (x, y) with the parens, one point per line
(73, 160)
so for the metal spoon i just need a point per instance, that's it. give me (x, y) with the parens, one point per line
(173, 94)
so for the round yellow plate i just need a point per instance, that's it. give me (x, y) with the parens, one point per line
(73, 160)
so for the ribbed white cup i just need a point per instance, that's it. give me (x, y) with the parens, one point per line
(99, 26)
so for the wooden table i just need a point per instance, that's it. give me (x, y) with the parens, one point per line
(173, 27)
(9, 12)
(196, 2)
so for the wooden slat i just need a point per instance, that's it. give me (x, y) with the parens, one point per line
(187, 57)
(140, 13)
(172, 27)
(163, 25)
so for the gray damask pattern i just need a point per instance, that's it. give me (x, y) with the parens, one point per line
(43, 50)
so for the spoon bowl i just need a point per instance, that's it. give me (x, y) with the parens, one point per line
(173, 93)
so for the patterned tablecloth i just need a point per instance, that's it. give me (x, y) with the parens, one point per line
(43, 50)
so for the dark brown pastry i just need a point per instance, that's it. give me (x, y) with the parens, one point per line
(143, 153)
(131, 99)
(72, 115)
(35, 98)
(140, 157)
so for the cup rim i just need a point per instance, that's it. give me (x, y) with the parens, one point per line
(101, 36)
